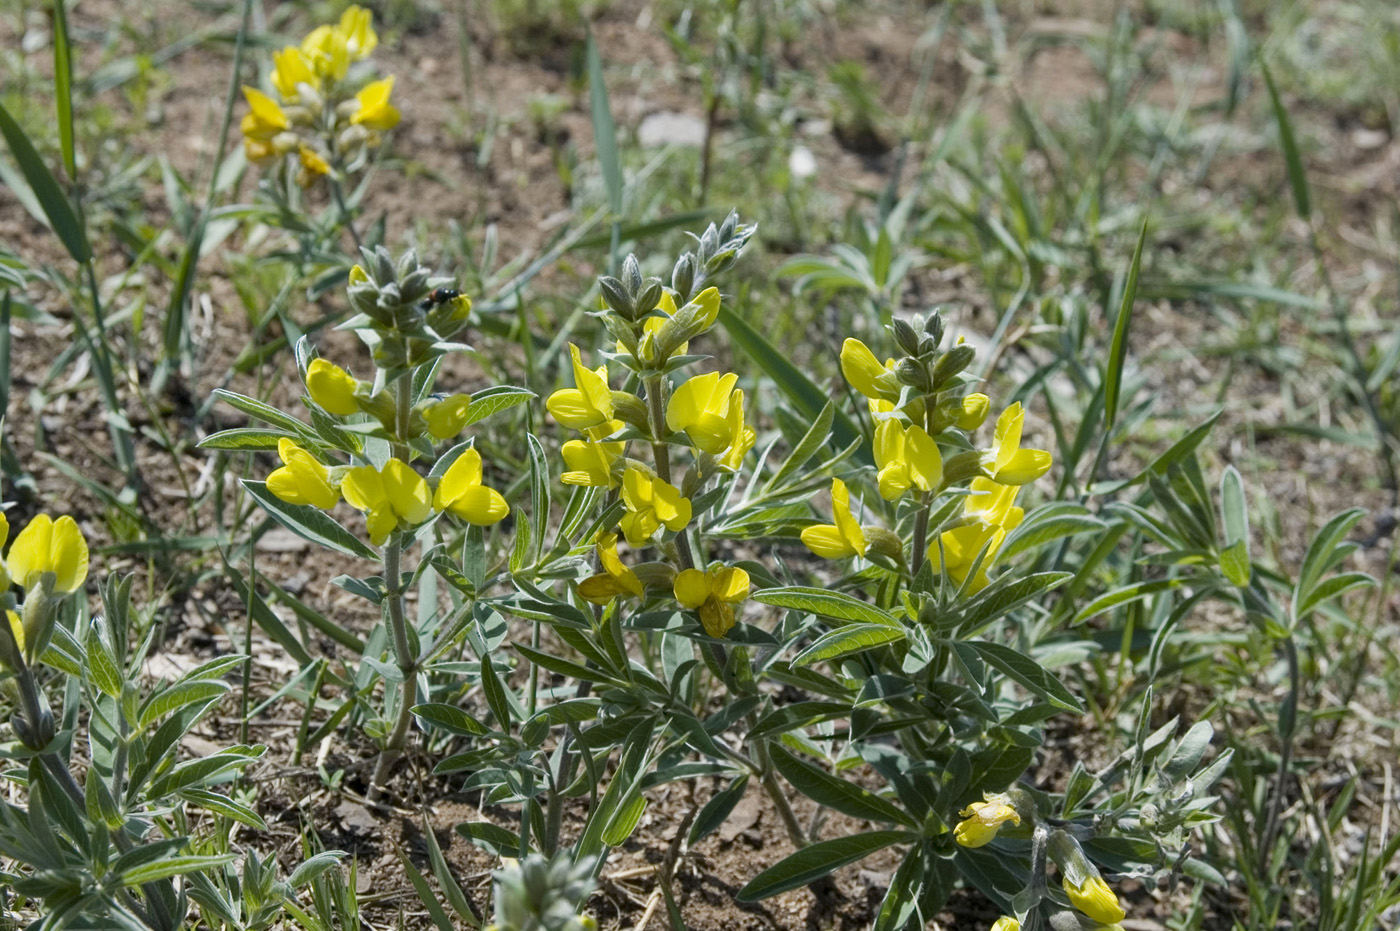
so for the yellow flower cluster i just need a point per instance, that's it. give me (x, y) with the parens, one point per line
(393, 496)
(317, 117)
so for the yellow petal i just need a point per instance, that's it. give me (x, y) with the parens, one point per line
(363, 487)
(447, 417)
(692, 589)
(730, 584)
(716, 617)
(639, 526)
(893, 480)
(599, 589)
(69, 555)
(290, 69)
(407, 491)
(355, 26)
(591, 463)
(4, 528)
(375, 111)
(1095, 899)
(827, 542)
(845, 523)
(332, 388)
(974, 411)
(708, 301)
(1006, 923)
(862, 369)
(29, 557)
(925, 461)
(889, 443)
(480, 505)
(1024, 467)
(1008, 435)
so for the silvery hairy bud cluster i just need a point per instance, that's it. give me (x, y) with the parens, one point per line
(399, 312)
(716, 251)
(632, 297)
(543, 894)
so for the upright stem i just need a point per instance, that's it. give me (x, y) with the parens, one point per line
(779, 798)
(394, 601)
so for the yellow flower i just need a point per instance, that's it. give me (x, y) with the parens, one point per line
(989, 514)
(328, 52)
(391, 498)
(844, 537)
(866, 374)
(332, 388)
(615, 579)
(460, 492)
(906, 457)
(1006, 923)
(713, 593)
(587, 405)
(261, 124)
(447, 417)
(591, 463)
(4, 529)
(312, 162)
(1006, 461)
(47, 545)
(302, 479)
(650, 504)
(710, 411)
(744, 437)
(974, 411)
(290, 69)
(1095, 899)
(982, 820)
(356, 28)
(651, 326)
(375, 111)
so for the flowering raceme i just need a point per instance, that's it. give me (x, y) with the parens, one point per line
(713, 593)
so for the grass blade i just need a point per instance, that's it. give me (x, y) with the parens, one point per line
(604, 129)
(1297, 177)
(63, 87)
(57, 208)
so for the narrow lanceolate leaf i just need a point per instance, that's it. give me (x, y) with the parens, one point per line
(174, 866)
(63, 87)
(848, 639)
(1118, 350)
(1297, 177)
(604, 131)
(835, 606)
(836, 793)
(815, 437)
(50, 196)
(716, 811)
(816, 861)
(490, 401)
(791, 380)
(450, 718)
(309, 523)
(1024, 670)
(1322, 555)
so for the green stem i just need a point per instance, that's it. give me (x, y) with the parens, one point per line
(394, 603)
(775, 792)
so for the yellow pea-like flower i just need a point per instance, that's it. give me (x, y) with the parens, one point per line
(328, 52)
(701, 408)
(989, 514)
(262, 123)
(392, 498)
(1095, 898)
(974, 412)
(447, 417)
(615, 579)
(591, 462)
(46, 545)
(1006, 461)
(651, 504)
(290, 69)
(587, 405)
(1006, 923)
(713, 593)
(461, 493)
(743, 437)
(842, 538)
(302, 478)
(332, 388)
(375, 111)
(865, 373)
(311, 160)
(356, 27)
(906, 457)
(982, 820)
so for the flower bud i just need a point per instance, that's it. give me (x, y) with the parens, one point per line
(683, 276)
(905, 336)
(912, 373)
(974, 411)
(950, 364)
(933, 326)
